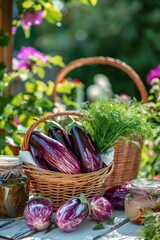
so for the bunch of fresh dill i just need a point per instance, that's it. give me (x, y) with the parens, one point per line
(110, 121)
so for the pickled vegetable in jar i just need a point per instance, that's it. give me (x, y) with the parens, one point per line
(14, 188)
(144, 196)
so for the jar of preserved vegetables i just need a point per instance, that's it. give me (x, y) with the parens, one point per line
(144, 196)
(14, 188)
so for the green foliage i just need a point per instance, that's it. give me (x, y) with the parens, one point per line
(4, 39)
(151, 229)
(98, 226)
(93, 2)
(70, 93)
(50, 13)
(110, 121)
(17, 111)
(150, 159)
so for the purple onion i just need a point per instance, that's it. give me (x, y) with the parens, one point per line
(116, 195)
(100, 208)
(38, 213)
(70, 215)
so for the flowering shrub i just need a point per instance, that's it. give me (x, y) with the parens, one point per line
(29, 56)
(17, 111)
(70, 92)
(150, 163)
(154, 73)
(29, 19)
(34, 12)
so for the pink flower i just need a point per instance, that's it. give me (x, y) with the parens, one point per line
(14, 29)
(151, 153)
(125, 97)
(16, 121)
(151, 143)
(154, 73)
(28, 55)
(31, 18)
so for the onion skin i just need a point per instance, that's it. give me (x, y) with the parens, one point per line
(38, 213)
(100, 208)
(116, 195)
(70, 215)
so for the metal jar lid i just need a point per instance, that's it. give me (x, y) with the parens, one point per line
(7, 162)
(145, 184)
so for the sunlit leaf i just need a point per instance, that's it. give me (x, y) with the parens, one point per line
(57, 60)
(39, 71)
(41, 86)
(30, 87)
(27, 32)
(49, 88)
(28, 4)
(93, 2)
(51, 14)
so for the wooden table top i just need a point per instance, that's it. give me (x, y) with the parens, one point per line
(121, 229)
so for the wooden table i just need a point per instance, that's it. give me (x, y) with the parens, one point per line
(120, 230)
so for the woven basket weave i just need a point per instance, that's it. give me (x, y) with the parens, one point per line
(127, 155)
(60, 187)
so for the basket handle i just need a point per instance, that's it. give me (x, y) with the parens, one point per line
(25, 142)
(104, 61)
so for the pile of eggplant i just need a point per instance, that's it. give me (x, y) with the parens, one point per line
(71, 153)
(38, 212)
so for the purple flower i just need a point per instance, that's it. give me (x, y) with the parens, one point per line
(125, 97)
(29, 55)
(154, 73)
(14, 29)
(28, 18)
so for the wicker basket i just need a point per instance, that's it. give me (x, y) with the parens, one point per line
(60, 186)
(127, 155)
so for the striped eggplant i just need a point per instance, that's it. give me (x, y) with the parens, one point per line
(101, 209)
(59, 135)
(38, 157)
(56, 155)
(71, 214)
(85, 149)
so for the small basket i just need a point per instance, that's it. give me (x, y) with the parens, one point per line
(60, 187)
(127, 155)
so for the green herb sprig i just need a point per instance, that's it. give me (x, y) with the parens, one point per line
(151, 229)
(110, 121)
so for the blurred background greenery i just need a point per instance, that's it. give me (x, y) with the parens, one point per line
(124, 29)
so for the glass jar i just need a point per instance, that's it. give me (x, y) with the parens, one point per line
(14, 188)
(144, 196)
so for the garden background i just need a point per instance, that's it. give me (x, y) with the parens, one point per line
(124, 29)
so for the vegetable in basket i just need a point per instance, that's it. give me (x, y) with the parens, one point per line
(71, 214)
(38, 158)
(56, 131)
(85, 149)
(59, 135)
(38, 213)
(55, 154)
(101, 209)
